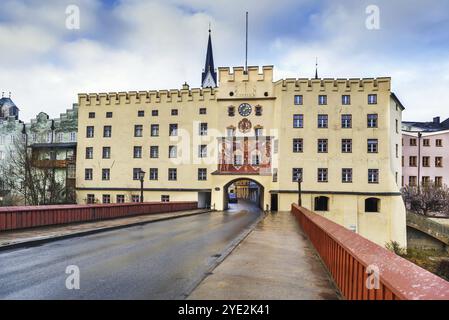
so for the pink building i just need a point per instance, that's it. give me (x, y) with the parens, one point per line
(425, 152)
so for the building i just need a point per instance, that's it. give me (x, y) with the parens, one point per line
(425, 152)
(341, 136)
(51, 144)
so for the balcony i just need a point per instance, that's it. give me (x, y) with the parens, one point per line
(50, 164)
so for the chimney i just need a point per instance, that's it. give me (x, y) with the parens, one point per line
(436, 120)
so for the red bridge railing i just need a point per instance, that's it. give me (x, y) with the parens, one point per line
(363, 270)
(13, 218)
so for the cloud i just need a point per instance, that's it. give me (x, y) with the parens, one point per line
(139, 45)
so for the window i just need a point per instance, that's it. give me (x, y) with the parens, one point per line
(372, 99)
(298, 100)
(88, 174)
(89, 153)
(402, 162)
(90, 132)
(230, 132)
(346, 175)
(412, 161)
(296, 174)
(412, 181)
(426, 161)
(174, 112)
(90, 199)
(322, 175)
(372, 120)
(438, 181)
(373, 175)
(238, 160)
(105, 174)
(345, 99)
(372, 205)
(172, 174)
(346, 121)
(373, 145)
(322, 99)
(173, 130)
(203, 129)
(154, 174)
(258, 131)
(297, 145)
(120, 198)
(413, 143)
(165, 198)
(258, 111)
(172, 151)
(107, 131)
(138, 130)
(91, 115)
(298, 121)
(203, 111)
(275, 174)
(137, 153)
(322, 120)
(155, 130)
(397, 126)
(202, 174)
(72, 136)
(426, 142)
(397, 150)
(231, 111)
(136, 173)
(109, 114)
(106, 152)
(439, 162)
(425, 181)
(60, 137)
(438, 142)
(141, 113)
(135, 198)
(202, 151)
(322, 145)
(346, 145)
(154, 113)
(255, 159)
(321, 204)
(154, 152)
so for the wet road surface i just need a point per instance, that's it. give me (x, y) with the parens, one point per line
(161, 260)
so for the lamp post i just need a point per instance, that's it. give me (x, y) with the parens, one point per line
(299, 188)
(141, 178)
(25, 135)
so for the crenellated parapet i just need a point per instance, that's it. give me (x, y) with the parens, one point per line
(238, 74)
(336, 85)
(146, 97)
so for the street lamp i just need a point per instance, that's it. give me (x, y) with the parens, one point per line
(141, 178)
(299, 179)
(25, 135)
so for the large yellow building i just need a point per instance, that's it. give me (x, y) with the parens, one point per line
(342, 136)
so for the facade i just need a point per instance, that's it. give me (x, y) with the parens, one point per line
(425, 153)
(342, 136)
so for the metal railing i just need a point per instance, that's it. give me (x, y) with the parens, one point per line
(363, 270)
(14, 218)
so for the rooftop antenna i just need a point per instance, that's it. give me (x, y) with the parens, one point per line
(246, 44)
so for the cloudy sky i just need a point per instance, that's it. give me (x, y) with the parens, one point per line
(144, 44)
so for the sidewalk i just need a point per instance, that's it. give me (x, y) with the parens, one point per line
(276, 261)
(10, 239)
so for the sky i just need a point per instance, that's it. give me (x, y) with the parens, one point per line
(46, 58)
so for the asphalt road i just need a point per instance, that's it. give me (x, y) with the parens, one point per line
(161, 260)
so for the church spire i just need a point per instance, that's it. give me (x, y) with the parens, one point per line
(209, 76)
(316, 69)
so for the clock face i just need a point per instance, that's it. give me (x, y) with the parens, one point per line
(245, 109)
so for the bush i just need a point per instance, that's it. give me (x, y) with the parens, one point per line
(396, 248)
(443, 269)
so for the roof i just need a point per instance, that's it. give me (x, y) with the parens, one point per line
(431, 126)
(209, 65)
(396, 99)
(7, 102)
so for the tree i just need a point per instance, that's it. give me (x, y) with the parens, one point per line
(427, 199)
(36, 185)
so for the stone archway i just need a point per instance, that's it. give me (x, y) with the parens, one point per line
(255, 191)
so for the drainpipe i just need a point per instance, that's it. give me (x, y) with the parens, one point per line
(419, 161)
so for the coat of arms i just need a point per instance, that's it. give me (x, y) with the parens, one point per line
(245, 125)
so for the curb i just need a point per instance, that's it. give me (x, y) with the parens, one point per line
(225, 253)
(40, 241)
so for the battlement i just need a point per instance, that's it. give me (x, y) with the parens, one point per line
(238, 74)
(146, 97)
(329, 84)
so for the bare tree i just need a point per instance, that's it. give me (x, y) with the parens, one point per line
(36, 185)
(426, 199)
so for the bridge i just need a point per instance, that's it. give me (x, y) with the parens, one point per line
(425, 233)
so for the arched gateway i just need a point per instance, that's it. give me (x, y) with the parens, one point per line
(243, 189)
